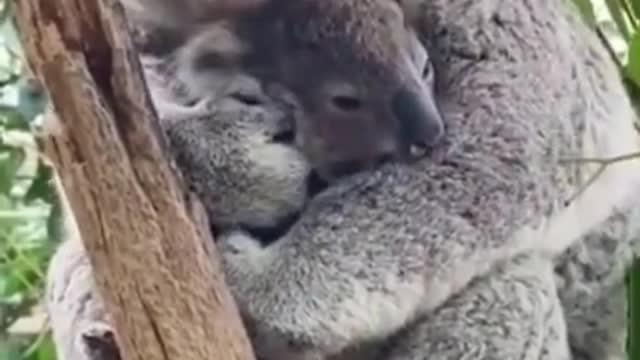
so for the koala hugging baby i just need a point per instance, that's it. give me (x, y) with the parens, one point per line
(391, 180)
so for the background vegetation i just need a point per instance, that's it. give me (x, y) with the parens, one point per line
(28, 208)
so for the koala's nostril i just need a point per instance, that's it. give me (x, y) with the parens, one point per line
(418, 118)
(347, 103)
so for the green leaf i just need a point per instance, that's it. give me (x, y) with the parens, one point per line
(9, 164)
(12, 290)
(635, 6)
(586, 10)
(12, 119)
(5, 14)
(46, 350)
(55, 223)
(31, 99)
(632, 68)
(9, 352)
(41, 186)
(617, 13)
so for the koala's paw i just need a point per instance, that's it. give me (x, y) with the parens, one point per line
(243, 260)
(97, 341)
(276, 331)
(242, 256)
(239, 243)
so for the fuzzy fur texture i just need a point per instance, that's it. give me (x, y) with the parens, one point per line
(469, 253)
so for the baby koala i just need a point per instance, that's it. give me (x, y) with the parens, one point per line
(359, 99)
(229, 157)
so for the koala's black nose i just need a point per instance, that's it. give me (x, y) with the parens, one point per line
(420, 121)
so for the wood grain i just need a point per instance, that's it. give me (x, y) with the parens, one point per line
(147, 238)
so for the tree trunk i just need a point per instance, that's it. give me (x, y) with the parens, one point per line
(147, 238)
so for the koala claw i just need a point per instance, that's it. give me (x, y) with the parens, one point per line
(97, 341)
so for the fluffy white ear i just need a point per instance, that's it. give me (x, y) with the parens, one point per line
(185, 13)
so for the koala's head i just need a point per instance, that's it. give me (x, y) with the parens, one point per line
(353, 72)
(234, 155)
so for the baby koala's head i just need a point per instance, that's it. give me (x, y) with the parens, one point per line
(353, 71)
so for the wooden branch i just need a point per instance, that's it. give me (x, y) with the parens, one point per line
(147, 238)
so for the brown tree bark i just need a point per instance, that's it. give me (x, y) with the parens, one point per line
(146, 236)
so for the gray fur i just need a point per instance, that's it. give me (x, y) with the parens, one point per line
(590, 278)
(76, 310)
(450, 257)
(353, 52)
(264, 181)
(522, 86)
(483, 323)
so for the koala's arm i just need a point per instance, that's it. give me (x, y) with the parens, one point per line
(590, 277)
(530, 308)
(376, 251)
(512, 312)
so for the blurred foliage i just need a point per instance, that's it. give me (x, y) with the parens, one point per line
(28, 208)
(617, 23)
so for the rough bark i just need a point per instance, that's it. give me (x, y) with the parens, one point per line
(147, 237)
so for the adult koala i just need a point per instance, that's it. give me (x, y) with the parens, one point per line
(451, 257)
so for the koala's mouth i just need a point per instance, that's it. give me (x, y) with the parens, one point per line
(268, 235)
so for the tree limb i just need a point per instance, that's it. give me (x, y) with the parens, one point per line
(146, 237)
